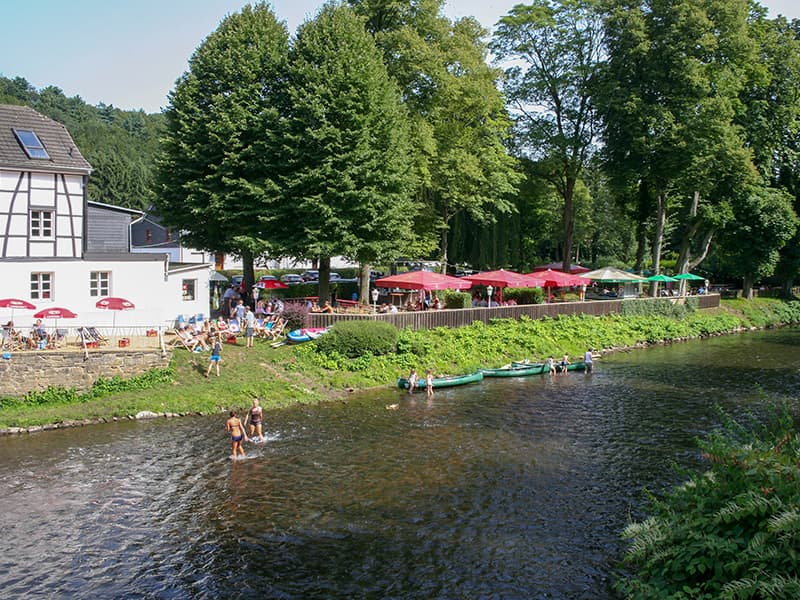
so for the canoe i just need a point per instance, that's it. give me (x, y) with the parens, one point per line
(442, 382)
(515, 370)
(298, 336)
(576, 366)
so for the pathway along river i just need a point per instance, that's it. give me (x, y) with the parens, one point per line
(506, 489)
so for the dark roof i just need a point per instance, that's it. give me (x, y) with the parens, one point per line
(64, 154)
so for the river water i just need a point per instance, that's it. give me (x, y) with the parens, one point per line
(504, 489)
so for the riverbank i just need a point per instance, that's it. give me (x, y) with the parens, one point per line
(298, 374)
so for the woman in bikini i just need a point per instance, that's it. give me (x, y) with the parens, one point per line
(234, 426)
(254, 416)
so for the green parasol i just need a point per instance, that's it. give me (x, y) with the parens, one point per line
(690, 277)
(662, 278)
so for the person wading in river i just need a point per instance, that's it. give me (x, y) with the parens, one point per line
(234, 426)
(254, 416)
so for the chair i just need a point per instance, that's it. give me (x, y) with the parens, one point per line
(97, 336)
(57, 338)
(276, 329)
(184, 340)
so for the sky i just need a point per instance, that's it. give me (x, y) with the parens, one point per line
(128, 53)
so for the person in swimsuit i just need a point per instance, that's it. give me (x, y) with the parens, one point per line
(551, 366)
(412, 381)
(215, 355)
(429, 384)
(234, 426)
(254, 416)
(564, 363)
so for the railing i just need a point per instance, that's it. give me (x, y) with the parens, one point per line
(429, 319)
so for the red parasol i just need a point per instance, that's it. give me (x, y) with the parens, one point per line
(556, 266)
(55, 313)
(14, 303)
(115, 304)
(271, 284)
(551, 278)
(499, 279)
(423, 280)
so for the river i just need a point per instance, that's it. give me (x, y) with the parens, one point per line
(504, 489)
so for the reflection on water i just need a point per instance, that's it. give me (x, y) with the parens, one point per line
(507, 489)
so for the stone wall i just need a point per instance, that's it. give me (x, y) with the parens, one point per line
(29, 371)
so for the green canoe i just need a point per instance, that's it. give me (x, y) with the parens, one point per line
(576, 366)
(515, 370)
(442, 382)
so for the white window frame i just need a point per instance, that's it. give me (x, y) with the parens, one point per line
(99, 284)
(38, 218)
(43, 285)
(189, 290)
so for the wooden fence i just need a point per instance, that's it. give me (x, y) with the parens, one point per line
(428, 319)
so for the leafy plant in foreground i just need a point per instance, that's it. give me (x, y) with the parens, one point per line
(730, 532)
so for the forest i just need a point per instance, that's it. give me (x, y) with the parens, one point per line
(648, 134)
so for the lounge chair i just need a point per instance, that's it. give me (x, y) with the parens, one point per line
(275, 329)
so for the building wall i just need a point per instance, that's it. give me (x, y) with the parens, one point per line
(21, 192)
(157, 295)
(107, 230)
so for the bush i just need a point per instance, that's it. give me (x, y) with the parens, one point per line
(660, 307)
(524, 295)
(296, 315)
(359, 338)
(453, 299)
(731, 532)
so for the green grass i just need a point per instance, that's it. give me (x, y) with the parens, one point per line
(299, 374)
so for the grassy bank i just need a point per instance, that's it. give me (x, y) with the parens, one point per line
(297, 374)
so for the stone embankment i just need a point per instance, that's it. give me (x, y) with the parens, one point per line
(145, 414)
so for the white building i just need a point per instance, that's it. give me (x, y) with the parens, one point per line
(57, 251)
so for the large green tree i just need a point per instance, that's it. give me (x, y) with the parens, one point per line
(554, 46)
(347, 158)
(218, 168)
(669, 95)
(459, 119)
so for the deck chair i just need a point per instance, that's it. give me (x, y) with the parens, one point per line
(276, 329)
(58, 337)
(97, 336)
(183, 340)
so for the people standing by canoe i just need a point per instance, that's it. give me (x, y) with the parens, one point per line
(254, 416)
(587, 360)
(564, 363)
(216, 354)
(234, 426)
(412, 381)
(429, 384)
(551, 366)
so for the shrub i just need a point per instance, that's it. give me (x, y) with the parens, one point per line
(660, 307)
(296, 315)
(359, 338)
(453, 299)
(524, 295)
(731, 532)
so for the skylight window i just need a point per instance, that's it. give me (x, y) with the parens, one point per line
(31, 143)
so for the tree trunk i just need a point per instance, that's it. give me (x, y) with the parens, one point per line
(324, 279)
(747, 286)
(363, 284)
(658, 237)
(642, 212)
(443, 247)
(569, 223)
(249, 275)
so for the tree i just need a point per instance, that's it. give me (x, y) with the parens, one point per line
(669, 97)
(459, 120)
(347, 158)
(559, 44)
(764, 221)
(218, 167)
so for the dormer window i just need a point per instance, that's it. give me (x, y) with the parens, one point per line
(31, 143)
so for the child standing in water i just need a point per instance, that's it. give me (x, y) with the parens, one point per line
(216, 350)
(234, 426)
(412, 381)
(429, 384)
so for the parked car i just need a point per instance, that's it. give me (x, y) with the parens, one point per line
(310, 275)
(376, 274)
(291, 279)
(335, 276)
(236, 280)
(268, 278)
